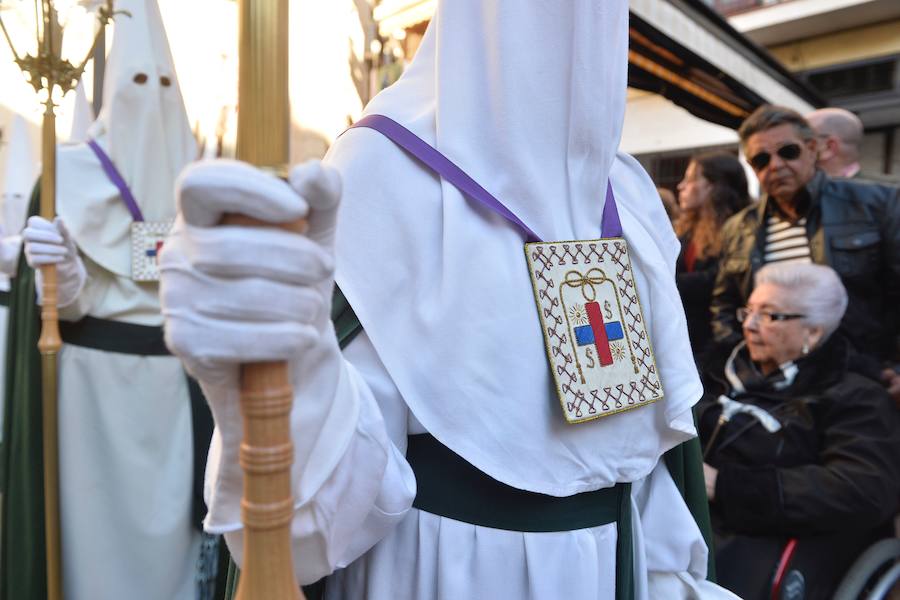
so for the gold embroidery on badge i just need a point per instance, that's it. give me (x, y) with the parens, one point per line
(597, 345)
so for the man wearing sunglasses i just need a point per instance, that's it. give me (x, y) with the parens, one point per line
(805, 216)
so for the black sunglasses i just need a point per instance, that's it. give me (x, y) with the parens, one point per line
(787, 152)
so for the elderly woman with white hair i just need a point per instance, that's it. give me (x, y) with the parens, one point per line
(800, 451)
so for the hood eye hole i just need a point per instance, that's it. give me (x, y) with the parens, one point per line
(165, 81)
(140, 78)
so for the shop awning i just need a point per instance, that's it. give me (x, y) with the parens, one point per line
(686, 52)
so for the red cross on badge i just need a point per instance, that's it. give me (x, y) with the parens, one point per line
(154, 252)
(599, 333)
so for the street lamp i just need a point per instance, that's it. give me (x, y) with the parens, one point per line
(41, 58)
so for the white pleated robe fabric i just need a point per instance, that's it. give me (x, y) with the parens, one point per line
(528, 99)
(126, 449)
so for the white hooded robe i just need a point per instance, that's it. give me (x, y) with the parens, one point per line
(126, 449)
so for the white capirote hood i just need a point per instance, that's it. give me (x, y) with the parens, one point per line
(143, 127)
(528, 98)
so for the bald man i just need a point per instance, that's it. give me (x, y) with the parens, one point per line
(840, 134)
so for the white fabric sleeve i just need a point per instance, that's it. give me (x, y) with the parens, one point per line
(84, 297)
(672, 549)
(365, 494)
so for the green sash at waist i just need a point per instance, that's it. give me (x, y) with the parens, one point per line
(114, 336)
(449, 486)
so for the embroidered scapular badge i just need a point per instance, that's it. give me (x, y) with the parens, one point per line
(599, 350)
(147, 239)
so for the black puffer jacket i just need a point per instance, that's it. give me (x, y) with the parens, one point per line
(830, 476)
(852, 226)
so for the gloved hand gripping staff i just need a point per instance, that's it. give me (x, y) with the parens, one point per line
(267, 451)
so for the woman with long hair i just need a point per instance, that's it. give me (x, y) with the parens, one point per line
(714, 188)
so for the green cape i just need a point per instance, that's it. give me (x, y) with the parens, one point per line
(22, 555)
(685, 464)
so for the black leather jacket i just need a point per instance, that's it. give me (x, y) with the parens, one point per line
(852, 226)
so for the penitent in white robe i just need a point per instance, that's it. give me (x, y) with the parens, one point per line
(125, 432)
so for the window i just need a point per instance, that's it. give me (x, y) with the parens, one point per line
(868, 78)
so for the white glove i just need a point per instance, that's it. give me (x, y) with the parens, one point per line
(235, 294)
(49, 243)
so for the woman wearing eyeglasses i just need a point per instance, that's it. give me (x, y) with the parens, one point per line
(714, 188)
(796, 445)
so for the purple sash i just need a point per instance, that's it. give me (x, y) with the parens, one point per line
(116, 179)
(430, 157)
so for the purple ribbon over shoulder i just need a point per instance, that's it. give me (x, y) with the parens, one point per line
(117, 180)
(443, 166)
(610, 225)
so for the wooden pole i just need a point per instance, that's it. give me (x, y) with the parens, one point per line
(50, 341)
(47, 71)
(264, 112)
(268, 505)
(49, 345)
(267, 451)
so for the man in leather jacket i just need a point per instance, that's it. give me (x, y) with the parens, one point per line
(852, 226)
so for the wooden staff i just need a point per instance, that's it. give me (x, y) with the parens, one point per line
(50, 341)
(48, 70)
(267, 451)
(49, 344)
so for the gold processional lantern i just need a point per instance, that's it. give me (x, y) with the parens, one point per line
(34, 32)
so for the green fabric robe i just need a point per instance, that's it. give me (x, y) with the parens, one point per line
(22, 552)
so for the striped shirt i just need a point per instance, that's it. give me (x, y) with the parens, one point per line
(786, 241)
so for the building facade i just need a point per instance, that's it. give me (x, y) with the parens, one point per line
(848, 51)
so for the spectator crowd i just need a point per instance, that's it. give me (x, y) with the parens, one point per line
(793, 310)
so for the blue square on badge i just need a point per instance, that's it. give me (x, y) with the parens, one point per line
(584, 335)
(614, 331)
